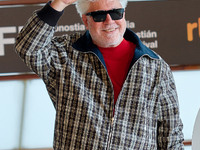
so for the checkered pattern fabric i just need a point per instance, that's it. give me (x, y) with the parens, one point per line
(146, 112)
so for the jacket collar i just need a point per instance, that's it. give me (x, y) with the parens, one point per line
(85, 44)
(140, 49)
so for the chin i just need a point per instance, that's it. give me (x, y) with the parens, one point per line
(115, 42)
(110, 44)
(108, 41)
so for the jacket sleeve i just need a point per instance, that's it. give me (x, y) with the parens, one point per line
(34, 42)
(170, 135)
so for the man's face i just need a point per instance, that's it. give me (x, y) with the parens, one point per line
(110, 32)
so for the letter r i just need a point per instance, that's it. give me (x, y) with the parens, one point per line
(190, 28)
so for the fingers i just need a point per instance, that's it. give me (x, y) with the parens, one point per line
(59, 5)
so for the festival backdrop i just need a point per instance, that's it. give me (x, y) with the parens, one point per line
(170, 28)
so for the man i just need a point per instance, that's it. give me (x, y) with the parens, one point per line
(108, 89)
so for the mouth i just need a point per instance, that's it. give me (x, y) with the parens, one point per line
(110, 30)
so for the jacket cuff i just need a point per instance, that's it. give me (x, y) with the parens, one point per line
(49, 15)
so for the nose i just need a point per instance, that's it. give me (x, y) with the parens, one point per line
(108, 19)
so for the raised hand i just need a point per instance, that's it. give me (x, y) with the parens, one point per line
(59, 5)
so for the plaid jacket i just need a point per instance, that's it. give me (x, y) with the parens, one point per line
(146, 112)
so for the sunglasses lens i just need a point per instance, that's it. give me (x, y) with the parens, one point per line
(99, 16)
(117, 14)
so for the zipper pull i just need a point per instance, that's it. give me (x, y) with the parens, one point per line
(109, 140)
(112, 121)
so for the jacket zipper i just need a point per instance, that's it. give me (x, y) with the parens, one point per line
(110, 135)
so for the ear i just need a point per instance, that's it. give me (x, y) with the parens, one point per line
(85, 21)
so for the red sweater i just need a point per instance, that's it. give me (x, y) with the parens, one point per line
(118, 60)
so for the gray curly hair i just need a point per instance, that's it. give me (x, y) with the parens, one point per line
(83, 5)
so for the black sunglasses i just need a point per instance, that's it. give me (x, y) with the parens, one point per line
(100, 16)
